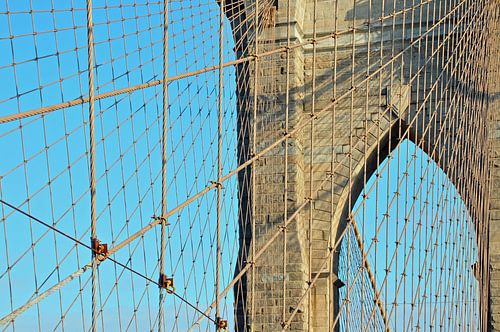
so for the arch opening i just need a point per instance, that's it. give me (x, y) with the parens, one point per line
(408, 256)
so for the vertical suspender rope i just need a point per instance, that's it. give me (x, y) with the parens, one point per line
(311, 168)
(219, 163)
(285, 180)
(351, 162)
(163, 162)
(90, 48)
(365, 159)
(254, 152)
(331, 296)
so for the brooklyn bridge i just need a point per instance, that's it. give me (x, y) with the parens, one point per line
(250, 165)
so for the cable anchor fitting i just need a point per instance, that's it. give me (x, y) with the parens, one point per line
(161, 219)
(221, 323)
(166, 283)
(99, 250)
(217, 184)
(254, 155)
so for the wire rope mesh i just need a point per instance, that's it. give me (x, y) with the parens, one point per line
(252, 165)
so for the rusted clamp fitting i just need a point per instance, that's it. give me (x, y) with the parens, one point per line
(161, 219)
(99, 250)
(221, 323)
(166, 283)
(217, 184)
(254, 155)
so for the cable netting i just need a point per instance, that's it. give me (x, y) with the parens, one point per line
(253, 165)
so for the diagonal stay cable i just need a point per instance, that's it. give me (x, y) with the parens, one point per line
(10, 317)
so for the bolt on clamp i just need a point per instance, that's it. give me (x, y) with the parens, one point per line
(99, 250)
(166, 283)
(221, 323)
(161, 219)
(217, 184)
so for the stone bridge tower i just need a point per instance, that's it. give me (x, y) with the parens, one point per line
(339, 102)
